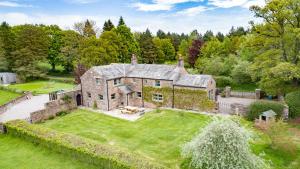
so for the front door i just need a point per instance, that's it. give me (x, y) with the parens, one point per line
(78, 100)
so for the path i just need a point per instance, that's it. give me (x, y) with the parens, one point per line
(22, 110)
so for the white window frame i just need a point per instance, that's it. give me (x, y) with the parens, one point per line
(89, 94)
(98, 81)
(113, 96)
(100, 96)
(117, 81)
(157, 83)
(158, 97)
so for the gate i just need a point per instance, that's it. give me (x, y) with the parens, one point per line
(53, 96)
(224, 108)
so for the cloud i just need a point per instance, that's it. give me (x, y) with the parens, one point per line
(235, 3)
(13, 4)
(81, 1)
(201, 22)
(160, 5)
(194, 10)
(152, 7)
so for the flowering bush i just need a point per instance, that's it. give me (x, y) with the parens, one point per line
(223, 144)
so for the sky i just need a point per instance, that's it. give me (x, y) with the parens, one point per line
(169, 15)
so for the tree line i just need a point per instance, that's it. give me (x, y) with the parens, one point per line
(267, 53)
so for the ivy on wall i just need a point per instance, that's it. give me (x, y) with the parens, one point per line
(193, 99)
(184, 98)
(167, 93)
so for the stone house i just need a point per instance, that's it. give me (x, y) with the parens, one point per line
(7, 78)
(143, 85)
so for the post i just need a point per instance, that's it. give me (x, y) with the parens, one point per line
(227, 91)
(257, 94)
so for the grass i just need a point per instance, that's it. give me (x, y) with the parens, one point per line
(158, 136)
(18, 153)
(7, 96)
(42, 87)
(250, 87)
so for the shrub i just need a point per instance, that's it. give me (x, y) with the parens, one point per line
(61, 113)
(85, 150)
(222, 144)
(256, 108)
(280, 140)
(293, 101)
(240, 73)
(67, 99)
(223, 81)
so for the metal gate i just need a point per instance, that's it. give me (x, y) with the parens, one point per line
(224, 108)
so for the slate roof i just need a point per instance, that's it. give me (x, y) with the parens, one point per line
(269, 113)
(152, 71)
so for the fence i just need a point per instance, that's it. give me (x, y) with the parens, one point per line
(249, 95)
(53, 96)
(224, 108)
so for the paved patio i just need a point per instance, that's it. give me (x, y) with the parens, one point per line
(117, 113)
(22, 110)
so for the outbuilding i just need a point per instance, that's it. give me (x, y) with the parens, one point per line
(7, 78)
(268, 116)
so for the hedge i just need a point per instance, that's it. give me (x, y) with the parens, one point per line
(293, 101)
(256, 108)
(223, 81)
(82, 149)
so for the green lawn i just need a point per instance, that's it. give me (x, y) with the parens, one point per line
(17, 153)
(157, 135)
(42, 87)
(7, 96)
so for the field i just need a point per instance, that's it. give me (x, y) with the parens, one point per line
(42, 87)
(7, 96)
(158, 135)
(17, 153)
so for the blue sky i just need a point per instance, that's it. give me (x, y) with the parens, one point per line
(168, 15)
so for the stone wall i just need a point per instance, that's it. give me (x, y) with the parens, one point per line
(238, 109)
(51, 110)
(17, 100)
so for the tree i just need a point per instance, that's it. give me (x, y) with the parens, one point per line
(166, 50)
(239, 31)
(121, 22)
(32, 44)
(8, 45)
(69, 51)
(161, 34)
(108, 25)
(86, 28)
(148, 50)
(3, 59)
(55, 35)
(241, 73)
(280, 43)
(194, 51)
(78, 72)
(222, 144)
(184, 50)
(208, 36)
(220, 36)
(128, 45)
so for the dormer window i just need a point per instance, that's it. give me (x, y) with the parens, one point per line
(157, 83)
(117, 81)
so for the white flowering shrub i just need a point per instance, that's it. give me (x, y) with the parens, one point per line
(223, 144)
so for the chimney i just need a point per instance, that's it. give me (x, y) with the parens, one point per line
(134, 60)
(180, 61)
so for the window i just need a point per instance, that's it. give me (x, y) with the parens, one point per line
(113, 96)
(89, 95)
(139, 94)
(98, 81)
(157, 83)
(117, 81)
(100, 97)
(157, 97)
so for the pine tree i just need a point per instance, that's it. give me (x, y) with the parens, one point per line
(148, 50)
(88, 30)
(121, 21)
(8, 44)
(108, 26)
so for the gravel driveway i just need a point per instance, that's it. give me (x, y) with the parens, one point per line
(22, 110)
